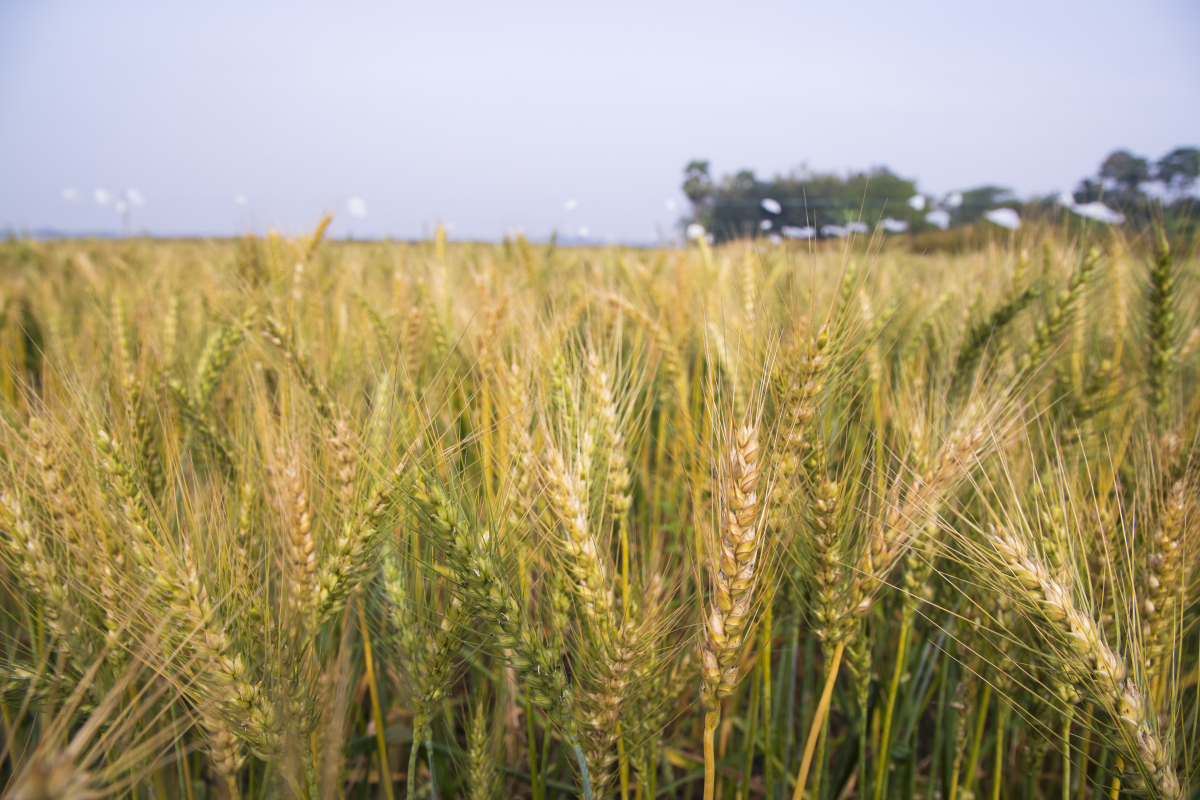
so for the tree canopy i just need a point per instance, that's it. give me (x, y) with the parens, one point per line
(1179, 169)
(1123, 178)
(1127, 171)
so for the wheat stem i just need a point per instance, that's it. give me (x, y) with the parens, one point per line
(414, 753)
(818, 720)
(583, 768)
(711, 719)
(766, 692)
(385, 774)
(428, 736)
(998, 759)
(893, 691)
(977, 741)
(1066, 756)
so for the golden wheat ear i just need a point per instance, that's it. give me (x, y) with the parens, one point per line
(733, 568)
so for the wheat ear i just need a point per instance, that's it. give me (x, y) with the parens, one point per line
(911, 510)
(1161, 607)
(1098, 672)
(485, 591)
(1161, 333)
(1065, 303)
(482, 775)
(601, 709)
(299, 545)
(429, 657)
(734, 578)
(797, 387)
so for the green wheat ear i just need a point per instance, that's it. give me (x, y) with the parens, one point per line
(1066, 303)
(1161, 333)
(985, 331)
(482, 585)
(483, 753)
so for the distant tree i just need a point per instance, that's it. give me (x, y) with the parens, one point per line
(1120, 180)
(1127, 171)
(980, 199)
(697, 184)
(1088, 191)
(742, 181)
(1179, 169)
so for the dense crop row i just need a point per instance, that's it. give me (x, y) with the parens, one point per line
(319, 519)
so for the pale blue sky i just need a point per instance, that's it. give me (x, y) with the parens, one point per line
(493, 115)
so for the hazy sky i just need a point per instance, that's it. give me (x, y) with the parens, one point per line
(493, 115)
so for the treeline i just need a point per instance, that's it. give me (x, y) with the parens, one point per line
(808, 204)
(734, 206)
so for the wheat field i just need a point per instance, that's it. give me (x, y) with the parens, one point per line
(304, 518)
